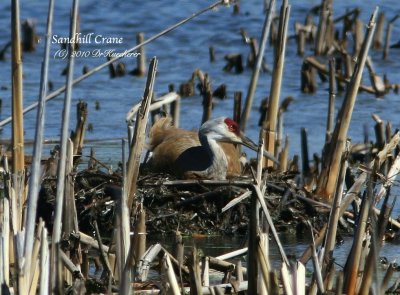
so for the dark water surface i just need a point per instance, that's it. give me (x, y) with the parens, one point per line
(179, 54)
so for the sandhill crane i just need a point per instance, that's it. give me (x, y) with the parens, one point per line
(208, 154)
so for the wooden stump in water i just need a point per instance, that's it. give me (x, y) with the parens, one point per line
(234, 61)
(141, 58)
(30, 37)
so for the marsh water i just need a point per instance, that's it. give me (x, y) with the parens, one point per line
(179, 53)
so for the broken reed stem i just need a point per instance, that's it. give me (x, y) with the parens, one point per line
(237, 106)
(322, 69)
(390, 178)
(293, 278)
(329, 173)
(308, 252)
(301, 40)
(279, 134)
(124, 230)
(283, 158)
(334, 216)
(18, 162)
(32, 281)
(69, 196)
(304, 153)
(386, 279)
(138, 241)
(273, 107)
(321, 38)
(252, 271)
(207, 99)
(139, 137)
(260, 158)
(170, 275)
(34, 179)
(358, 36)
(103, 255)
(56, 237)
(5, 243)
(79, 133)
(176, 111)
(353, 261)
(377, 42)
(388, 36)
(205, 271)
(262, 257)
(70, 266)
(331, 106)
(256, 70)
(317, 268)
(133, 49)
(260, 197)
(194, 271)
(377, 233)
(65, 131)
(44, 265)
(379, 133)
(141, 59)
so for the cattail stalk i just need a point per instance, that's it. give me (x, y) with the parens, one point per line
(329, 174)
(257, 68)
(273, 106)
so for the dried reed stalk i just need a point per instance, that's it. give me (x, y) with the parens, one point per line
(169, 273)
(34, 181)
(331, 106)
(354, 258)
(18, 162)
(329, 174)
(273, 107)
(138, 139)
(44, 265)
(321, 39)
(256, 70)
(388, 36)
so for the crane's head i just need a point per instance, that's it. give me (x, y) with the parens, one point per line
(226, 130)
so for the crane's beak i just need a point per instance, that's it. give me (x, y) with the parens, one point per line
(244, 140)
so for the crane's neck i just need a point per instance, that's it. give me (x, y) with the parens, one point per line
(217, 155)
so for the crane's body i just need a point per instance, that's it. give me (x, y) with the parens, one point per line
(191, 154)
(209, 153)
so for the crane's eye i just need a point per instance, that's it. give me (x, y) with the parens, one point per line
(232, 125)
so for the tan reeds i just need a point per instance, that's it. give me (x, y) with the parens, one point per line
(388, 36)
(331, 105)
(168, 271)
(322, 69)
(194, 272)
(56, 280)
(35, 169)
(78, 135)
(141, 59)
(256, 70)
(137, 143)
(273, 106)
(207, 98)
(329, 174)
(323, 27)
(18, 162)
(377, 42)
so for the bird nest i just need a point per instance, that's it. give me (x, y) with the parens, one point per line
(193, 207)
